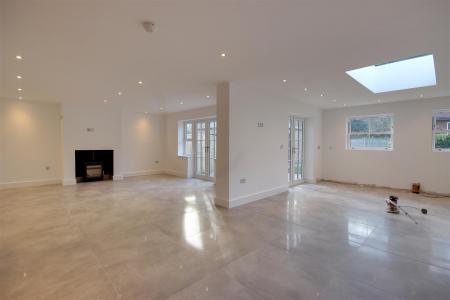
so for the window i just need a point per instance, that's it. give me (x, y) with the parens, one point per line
(187, 140)
(441, 130)
(370, 132)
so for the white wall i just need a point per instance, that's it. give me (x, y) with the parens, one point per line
(142, 143)
(30, 143)
(174, 163)
(412, 159)
(260, 155)
(136, 138)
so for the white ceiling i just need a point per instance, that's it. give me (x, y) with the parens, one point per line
(88, 50)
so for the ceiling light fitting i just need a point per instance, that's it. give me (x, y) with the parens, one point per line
(149, 26)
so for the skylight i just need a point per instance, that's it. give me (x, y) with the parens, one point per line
(397, 75)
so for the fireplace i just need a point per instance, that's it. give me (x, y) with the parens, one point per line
(94, 165)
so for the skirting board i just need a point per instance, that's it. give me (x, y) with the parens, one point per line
(69, 181)
(250, 197)
(311, 180)
(143, 173)
(175, 173)
(117, 177)
(29, 183)
(385, 187)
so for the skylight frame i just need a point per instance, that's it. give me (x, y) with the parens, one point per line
(397, 75)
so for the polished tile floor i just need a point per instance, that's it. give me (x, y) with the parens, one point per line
(160, 237)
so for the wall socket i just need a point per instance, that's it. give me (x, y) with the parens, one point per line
(156, 161)
(243, 180)
(47, 168)
(90, 129)
(260, 124)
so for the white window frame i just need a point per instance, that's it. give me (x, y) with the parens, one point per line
(348, 134)
(185, 139)
(434, 131)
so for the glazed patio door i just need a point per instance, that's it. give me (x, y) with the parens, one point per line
(205, 149)
(295, 150)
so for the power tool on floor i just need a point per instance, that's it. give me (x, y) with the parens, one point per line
(394, 208)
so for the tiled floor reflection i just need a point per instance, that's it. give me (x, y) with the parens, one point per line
(161, 237)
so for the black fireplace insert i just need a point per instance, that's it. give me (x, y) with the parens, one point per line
(94, 165)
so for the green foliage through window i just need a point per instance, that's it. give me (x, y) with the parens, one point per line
(442, 141)
(371, 132)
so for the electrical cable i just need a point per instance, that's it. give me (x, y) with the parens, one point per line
(434, 196)
(393, 204)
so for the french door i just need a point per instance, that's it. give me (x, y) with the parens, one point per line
(205, 149)
(295, 150)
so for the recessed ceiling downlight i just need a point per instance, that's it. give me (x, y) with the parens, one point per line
(409, 73)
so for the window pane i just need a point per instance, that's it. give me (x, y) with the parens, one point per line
(358, 141)
(188, 148)
(359, 125)
(442, 141)
(441, 121)
(188, 128)
(379, 141)
(380, 124)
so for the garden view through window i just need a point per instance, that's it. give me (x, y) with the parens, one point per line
(370, 132)
(441, 130)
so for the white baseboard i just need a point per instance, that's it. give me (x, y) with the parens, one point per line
(175, 173)
(143, 173)
(250, 197)
(117, 177)
(29, 183)
(311, 180)
(69, 181)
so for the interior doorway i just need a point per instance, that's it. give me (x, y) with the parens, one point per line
(205, 149)
(295, 150)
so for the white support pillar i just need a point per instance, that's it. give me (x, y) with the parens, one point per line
(223, 145)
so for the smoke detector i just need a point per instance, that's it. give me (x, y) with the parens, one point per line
(149, 26)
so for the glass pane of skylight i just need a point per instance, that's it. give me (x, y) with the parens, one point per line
(398, 75)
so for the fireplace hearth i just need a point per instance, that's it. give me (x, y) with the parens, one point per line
(94, 165)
